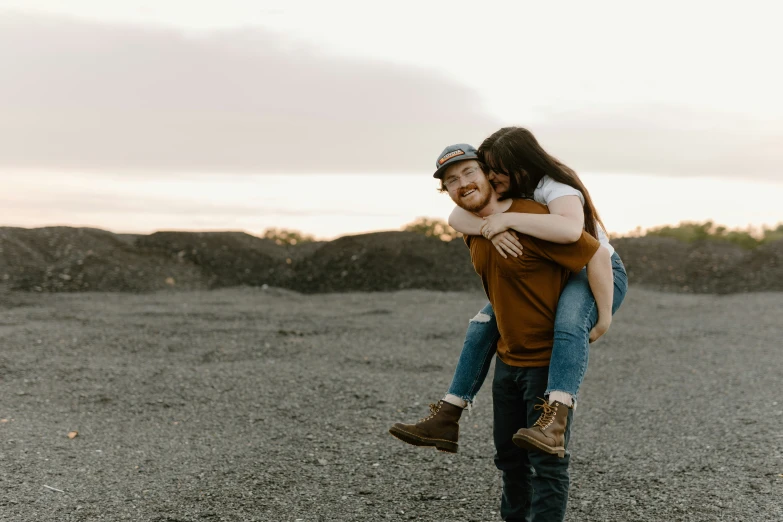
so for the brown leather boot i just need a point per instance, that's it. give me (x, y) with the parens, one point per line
(440, 429)
(548, 433)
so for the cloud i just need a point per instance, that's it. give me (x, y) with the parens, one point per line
(78, 94)
(665, 140)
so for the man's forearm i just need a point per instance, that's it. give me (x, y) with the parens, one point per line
(601, 279)
(465, 222)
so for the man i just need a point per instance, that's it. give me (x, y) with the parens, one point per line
(524, 293)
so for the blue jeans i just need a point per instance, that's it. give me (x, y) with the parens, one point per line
(535, 484)
(576, 315)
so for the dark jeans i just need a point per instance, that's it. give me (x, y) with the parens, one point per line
(535, 484)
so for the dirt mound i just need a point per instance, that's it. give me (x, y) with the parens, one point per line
(667, 264)
(385, 261)
(65, 259)
(707, 267)
(57, 259)
(224, 258)
(760, 270)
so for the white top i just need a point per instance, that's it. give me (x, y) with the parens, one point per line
(549, 190)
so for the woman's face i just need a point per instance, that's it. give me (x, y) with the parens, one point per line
(500, 182)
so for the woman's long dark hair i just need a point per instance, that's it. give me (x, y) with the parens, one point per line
(514, 151)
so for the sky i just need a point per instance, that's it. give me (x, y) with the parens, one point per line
(311, 109)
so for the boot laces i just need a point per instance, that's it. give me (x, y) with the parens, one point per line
(547, 415)
(434, 409)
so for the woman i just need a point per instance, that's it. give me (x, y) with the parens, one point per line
(518, 167)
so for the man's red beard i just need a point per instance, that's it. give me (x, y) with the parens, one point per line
(483, 202)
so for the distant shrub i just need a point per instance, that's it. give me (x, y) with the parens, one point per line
(773, 234)
(708, 231)
(432, 228)
(283, 236)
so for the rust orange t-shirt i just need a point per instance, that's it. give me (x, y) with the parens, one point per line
(524, 290)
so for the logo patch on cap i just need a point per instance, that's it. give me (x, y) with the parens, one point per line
(452, 154)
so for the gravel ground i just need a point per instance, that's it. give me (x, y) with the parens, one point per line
(251, 404)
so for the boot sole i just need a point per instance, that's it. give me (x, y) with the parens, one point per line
(440, 444)
(528, 443)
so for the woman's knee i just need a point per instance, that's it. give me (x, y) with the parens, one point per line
(485, 316)
(487, 310)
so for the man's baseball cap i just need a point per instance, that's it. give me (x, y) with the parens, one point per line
(451, 155)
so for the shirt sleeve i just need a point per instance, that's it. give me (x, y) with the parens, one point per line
(573, 256)
(551, 190)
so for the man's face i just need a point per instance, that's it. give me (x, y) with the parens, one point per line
(467, 185)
